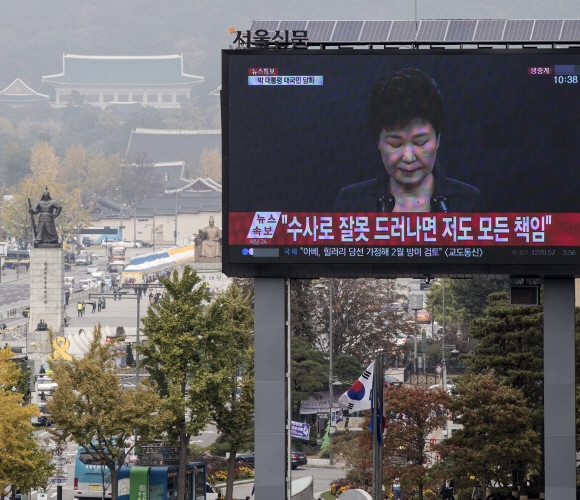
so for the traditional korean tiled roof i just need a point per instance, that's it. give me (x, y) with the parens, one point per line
(122, 70)
(169, 145)
(18, 91)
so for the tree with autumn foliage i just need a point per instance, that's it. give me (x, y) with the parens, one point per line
(44, 165)
(23, 462)
(91, 408)
(413, 414)
(362, 321)
(497, 434)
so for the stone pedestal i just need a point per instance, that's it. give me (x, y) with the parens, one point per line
(46, 297)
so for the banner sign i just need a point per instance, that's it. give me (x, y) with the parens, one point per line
(300, 430)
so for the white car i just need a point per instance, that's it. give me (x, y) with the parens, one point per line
(95, 256)
(105, 243)
(131, 244)
(93, 268)
(86, 284)
(45, 384)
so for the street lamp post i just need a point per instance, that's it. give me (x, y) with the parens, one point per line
(443, 342)
(330, 383)
(330, 377)
(120, 189)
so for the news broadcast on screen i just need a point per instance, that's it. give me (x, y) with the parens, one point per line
(391, 162)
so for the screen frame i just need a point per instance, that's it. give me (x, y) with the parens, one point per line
(370, 270)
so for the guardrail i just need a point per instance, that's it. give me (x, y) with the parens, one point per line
(15, 333)
(15, 311)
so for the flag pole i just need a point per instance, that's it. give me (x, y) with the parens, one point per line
(378, 392)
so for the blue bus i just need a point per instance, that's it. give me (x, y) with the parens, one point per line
(159, 482)
(15, 258)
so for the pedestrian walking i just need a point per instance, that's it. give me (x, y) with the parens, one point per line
(99, 304)
(447, 490)
(104, 302)
(94, 306)
(84, 308)
(42, 396)
(79, 309)
(102, 286)
(477, 493)
(397, 492)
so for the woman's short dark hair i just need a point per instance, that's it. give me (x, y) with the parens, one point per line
(403, 96)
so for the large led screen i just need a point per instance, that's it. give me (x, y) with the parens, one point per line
(401, 162)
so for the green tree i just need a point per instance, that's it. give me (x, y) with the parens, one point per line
(511, 346)
(183, 357)
(496, 435)
(465, 299)
(347, 369)
(90, 407)
(309, 372)
(232, 394)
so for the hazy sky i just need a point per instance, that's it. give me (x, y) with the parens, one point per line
(35, 33)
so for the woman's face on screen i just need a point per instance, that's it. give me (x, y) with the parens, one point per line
(409, 153)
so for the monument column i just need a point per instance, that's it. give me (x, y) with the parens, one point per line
(46, 278)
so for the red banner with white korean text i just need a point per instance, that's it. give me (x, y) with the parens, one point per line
(404, 229)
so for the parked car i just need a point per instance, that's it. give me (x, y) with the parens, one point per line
(93, 268)
(246, 459)
(298, 458)
(131, 244)
(45, 384)
(43, 419)
(144, 244)
(87, 241)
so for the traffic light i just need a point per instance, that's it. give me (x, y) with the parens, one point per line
(166, 176)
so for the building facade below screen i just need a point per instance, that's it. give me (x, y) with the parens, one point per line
(155, 81)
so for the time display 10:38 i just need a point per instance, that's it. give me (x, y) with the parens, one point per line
(566, 79)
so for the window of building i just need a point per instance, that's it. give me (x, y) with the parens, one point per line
(93, 98)
(108, 97)
(123, 98)
(181, 97)
(167, 98)
(152, 98)
(137, 98)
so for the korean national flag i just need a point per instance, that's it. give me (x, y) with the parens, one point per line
(358, 397)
